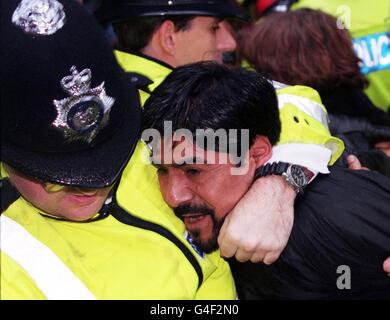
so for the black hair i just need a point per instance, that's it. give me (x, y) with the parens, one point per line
(208, 95)
(135, 34)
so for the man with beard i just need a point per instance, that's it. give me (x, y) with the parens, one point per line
(342, 221)
(154, 37)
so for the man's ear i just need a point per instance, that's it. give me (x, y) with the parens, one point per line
(166, 37)
(261, 150)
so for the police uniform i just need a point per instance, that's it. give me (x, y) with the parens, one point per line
(136, 64)
(118, 256)
(75, 125)
(145, 201)
(305, 138)
(369, 26)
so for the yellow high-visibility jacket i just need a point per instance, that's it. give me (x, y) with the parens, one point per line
(369, 25)
(305, 138)
(116, 257)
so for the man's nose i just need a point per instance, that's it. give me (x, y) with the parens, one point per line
(226, 40)
(176, 190)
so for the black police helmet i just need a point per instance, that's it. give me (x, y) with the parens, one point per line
(122, 10)
(67, 114)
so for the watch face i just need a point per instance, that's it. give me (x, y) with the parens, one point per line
(298, 175)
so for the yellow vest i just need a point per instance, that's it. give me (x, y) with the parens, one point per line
(369, 24)
(303, 117)
(154, 70)
(117, 261)
(112, 260)
(304, 120)
(139, 191)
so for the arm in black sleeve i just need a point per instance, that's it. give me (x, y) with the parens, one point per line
(342, 220)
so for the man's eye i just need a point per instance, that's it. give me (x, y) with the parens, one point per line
(161, 170)
(215, 28)
(192, 171)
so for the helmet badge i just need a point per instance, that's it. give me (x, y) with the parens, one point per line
(39, 17)
(86, 111)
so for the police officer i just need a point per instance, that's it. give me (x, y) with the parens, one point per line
(154, 37)
(369, 27)
(70, 122)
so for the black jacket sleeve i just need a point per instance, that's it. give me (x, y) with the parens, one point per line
(342, 220)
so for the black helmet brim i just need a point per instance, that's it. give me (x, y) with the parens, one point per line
(110, 13)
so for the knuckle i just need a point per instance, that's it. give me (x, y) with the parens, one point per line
(249, 246)
(233, 238)
(256, 259)
(241, 258)
(270, 258)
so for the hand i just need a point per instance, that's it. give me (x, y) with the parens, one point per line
(386, 266)
(354, 163)
(384, 146)
(258, 228)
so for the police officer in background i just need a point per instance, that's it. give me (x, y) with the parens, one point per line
(155, 37)
(369, 26)
(70, 123)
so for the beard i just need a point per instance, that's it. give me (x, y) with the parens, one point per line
(211, 243)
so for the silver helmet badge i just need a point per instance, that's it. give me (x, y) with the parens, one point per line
(39, 17)
(86, 111)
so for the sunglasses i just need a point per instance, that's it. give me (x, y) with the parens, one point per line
(52, 187)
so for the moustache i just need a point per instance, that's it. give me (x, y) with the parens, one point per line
(187, 209)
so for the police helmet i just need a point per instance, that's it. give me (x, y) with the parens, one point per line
(122, 10)
(67, 114)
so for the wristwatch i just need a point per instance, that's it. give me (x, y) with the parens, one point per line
(296, 176)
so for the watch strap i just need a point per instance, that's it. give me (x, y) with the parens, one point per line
(276, 168)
